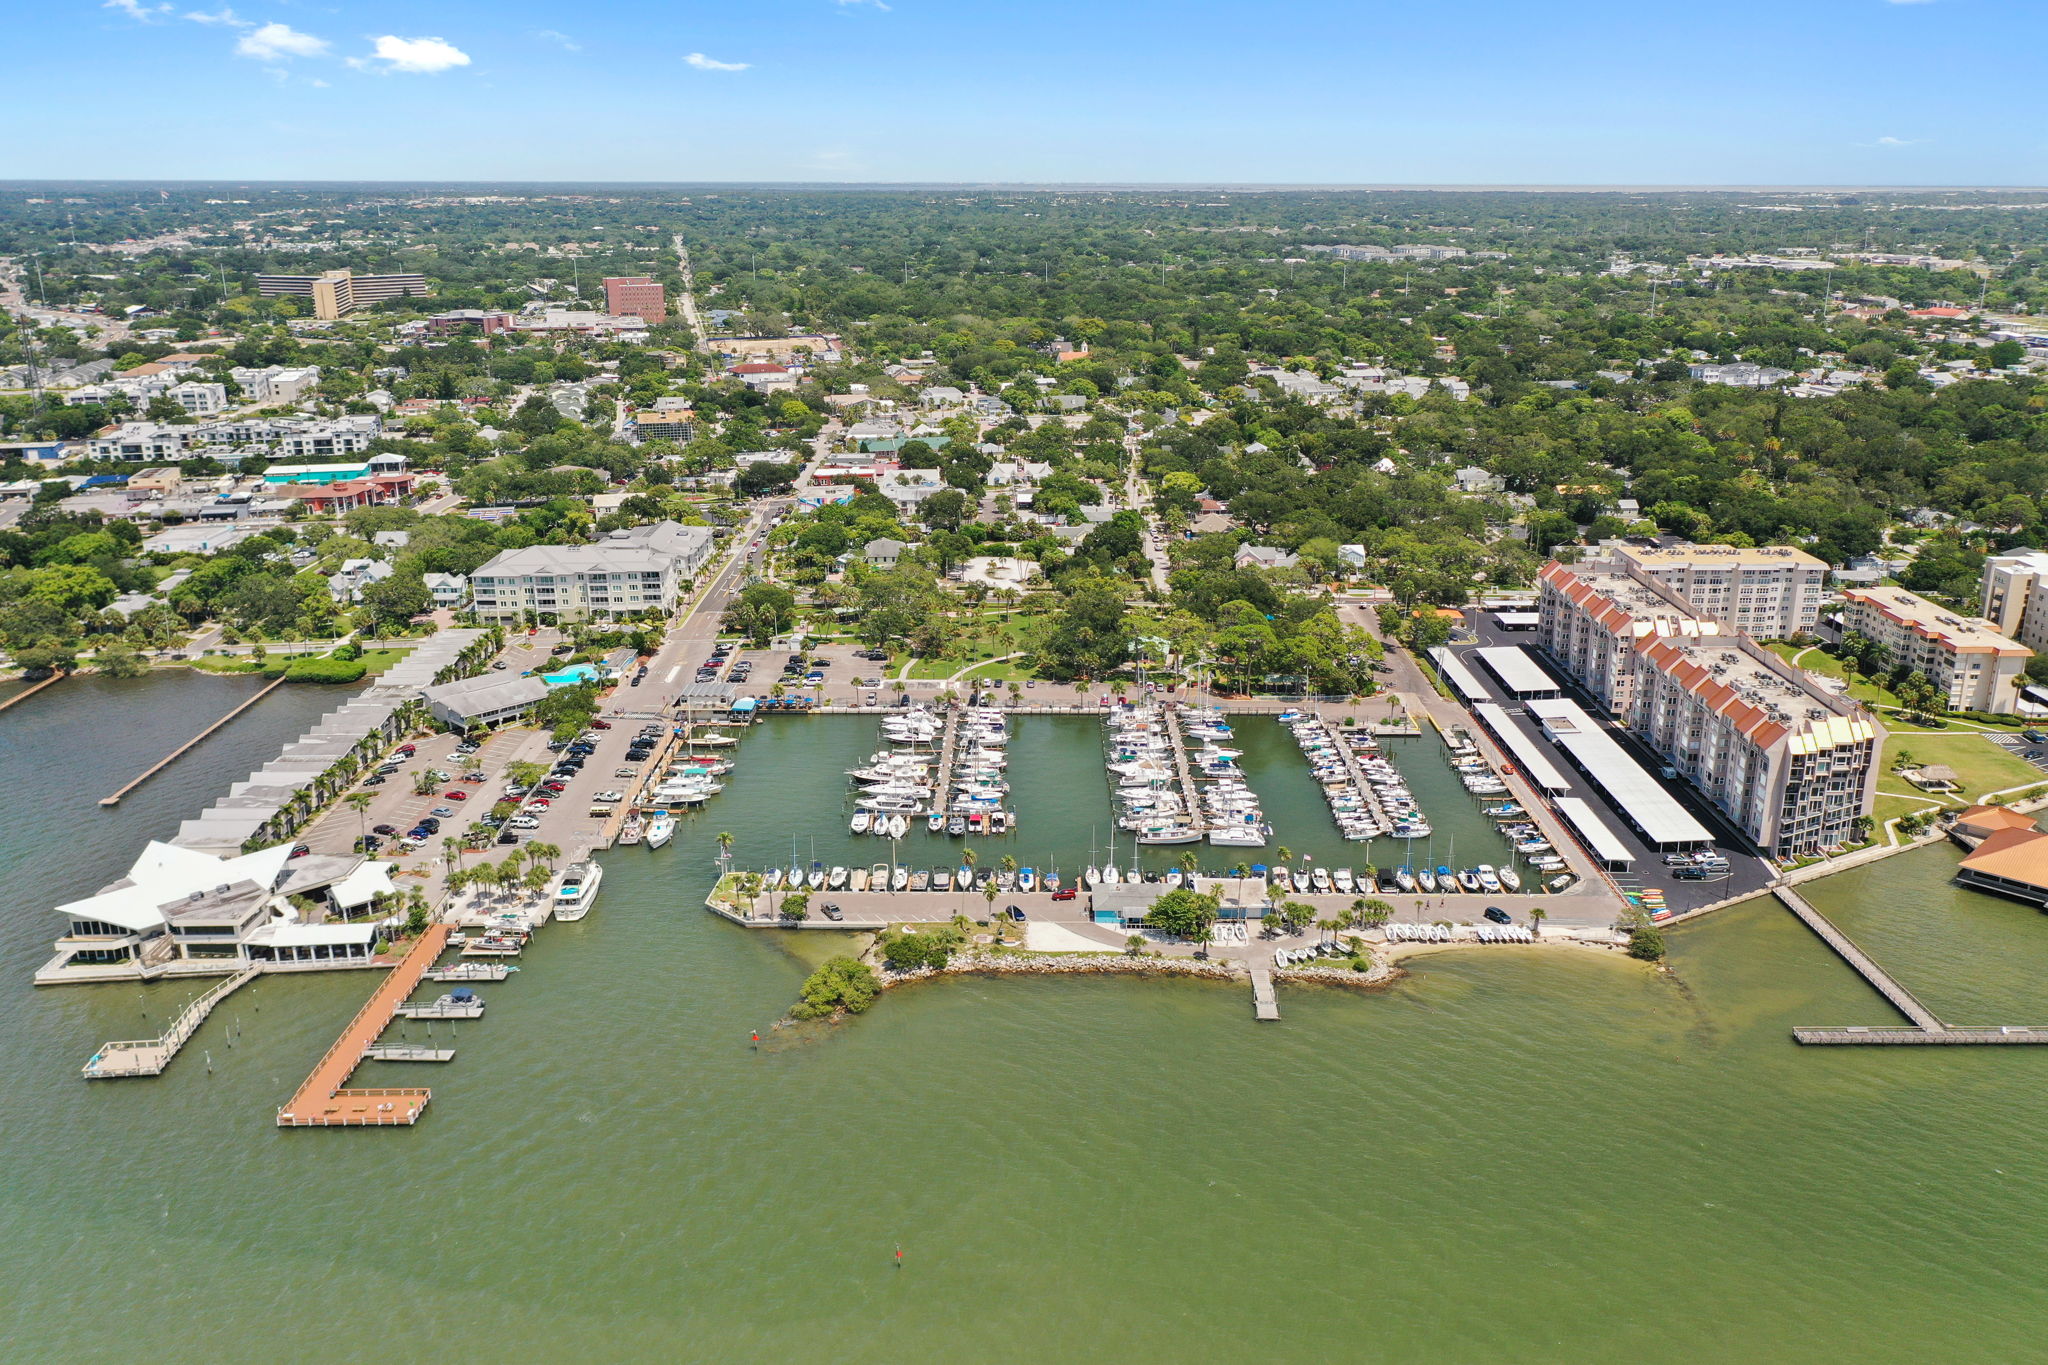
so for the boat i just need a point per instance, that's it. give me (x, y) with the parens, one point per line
(920, 880)
(1027, 879)
(1425, 880)
(1052, 881)
(899, 825)
(1510, 879)
(861, 821)
(836, 879)
(899, 880)
(936, 822)
(632, 830)
(956, 824)
(771, 879)
(1091, 878)
(857, 879)
(660, 829)
(1404, 877)
(578, 888)
(1281, 879)
(816, 879)
(1467, 879)
(1110, 875)
(1321, 880)
(714, 740)
(1342, 880)
(878, 877)
(942, 879)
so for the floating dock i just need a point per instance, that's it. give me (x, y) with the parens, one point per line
(440, 1009)
(409, 1054)
(322, 1102)
(1265, 1005)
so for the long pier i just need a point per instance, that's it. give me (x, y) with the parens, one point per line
(1926, 1030)
(322, 1102)
(949, 755)
(28, 692)
(187, 747)
(149, 1056)
(1184, 778)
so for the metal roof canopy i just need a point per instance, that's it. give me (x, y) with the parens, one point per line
(1522, 675)
(1640, 795)
(1458, 675)
(1606, 845)
(1536, 764)
(1518, 619)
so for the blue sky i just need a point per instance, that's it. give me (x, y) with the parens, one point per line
(1359, 91)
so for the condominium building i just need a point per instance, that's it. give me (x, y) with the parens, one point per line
(337, 293)
(1769, 591)
(200, 400)
(1975, 667)
(276, 383)
(2014, 595)
(637, 296)
(1791, 764)
(623, 574)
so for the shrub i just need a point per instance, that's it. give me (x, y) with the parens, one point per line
(1646, 941)
(840, 983)
(348, 649)
(319, 669)
(908, 952)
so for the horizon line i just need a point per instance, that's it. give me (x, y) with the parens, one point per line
(1093, 186)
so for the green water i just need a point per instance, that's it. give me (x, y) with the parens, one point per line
(1512, 1156)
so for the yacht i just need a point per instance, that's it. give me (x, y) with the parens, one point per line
(577, 890)
(1489, 881)
(936, 822)
(899, 880)
(861, 821)
(660, 829)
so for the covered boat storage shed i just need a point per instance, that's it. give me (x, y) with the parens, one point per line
(1536, 764)
(1519, 672)
(1603, 843)
(1458, 676)
(1637, 794)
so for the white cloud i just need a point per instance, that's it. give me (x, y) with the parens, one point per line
(1898, 142)
(225, 17)
(849, 4)
(704, 63)
(419, 56)
(140, 13)
(272, 42)
(568, 44)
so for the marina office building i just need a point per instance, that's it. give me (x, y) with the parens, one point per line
(1791, 765)
(1976, 668)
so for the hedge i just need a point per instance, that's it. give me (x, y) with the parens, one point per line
(319, 669)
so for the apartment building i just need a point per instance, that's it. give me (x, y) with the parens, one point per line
(1975, 667)
(1790, 764)
(2014, 596)
(140, 441)
(276, 383)
(637, 296)
(623, 574)
(201, 400)
(337, 293)
(1769, 591)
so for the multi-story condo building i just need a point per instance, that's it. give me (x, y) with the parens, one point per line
(637, 296)
(201, 400)
(2014, 595)
(337, 293)
(1769, 591)
(1790, 764)
(625, 573)
(276, 383)
(1975, 667)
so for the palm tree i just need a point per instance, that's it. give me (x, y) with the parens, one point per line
(1117, 687)
(968, 858)
(1008, 866)
(451, 849)
(1536, 917)
(1241, 871)
(725, 849)
(988, 893)
(543, 853)
(359, 802)
(1202, 938)
(536, 879)
(1188, 863)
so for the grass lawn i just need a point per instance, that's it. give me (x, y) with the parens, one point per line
(380, 659)
(1982, 765)
(1815, 660)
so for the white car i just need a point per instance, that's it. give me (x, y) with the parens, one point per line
(522, 822)
(609, 796)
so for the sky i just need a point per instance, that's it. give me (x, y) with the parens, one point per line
(1819, 92)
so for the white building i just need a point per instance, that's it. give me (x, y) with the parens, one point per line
(276, 383)
(201, 400)
(140, 441)
(624, 574)
(2014, 596)
(450, 590)
(1975, 667)
(1769, 591)
(491, 699)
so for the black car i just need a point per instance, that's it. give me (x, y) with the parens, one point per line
(369, 843)
(508, 837)
(430, 825)
(2034, 737)
(383, 829)
(1498, 915)
(1692, 874)
(373, 780)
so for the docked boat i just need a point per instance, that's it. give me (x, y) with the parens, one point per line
(1342, 880)
(835, 880)
(878, 877)
(861, 821)
(1404, 878)
(1509, 878)
(1320, 878)
(815, 879)
(857, 879)
(1489, 880)
(1027, 879)
(633, 830)
(1425, 880)
(899, 880)
(1052, 881)
(577, 889)
(1468, 880)
(660, 829)
(920, 880)
(936, 822)
(942, 879)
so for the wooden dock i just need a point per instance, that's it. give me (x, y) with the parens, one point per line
(168, 759)
(469, 971)
(408, 1054)
(1183, 776)
(1907, 1037)
(322, 1102)
(149, 1056)
(1265, 1005)
(30, 691)
(1903, 1000)
(434, 1009)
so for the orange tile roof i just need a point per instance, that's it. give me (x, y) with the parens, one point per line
(2019, 855)
(1995, 817)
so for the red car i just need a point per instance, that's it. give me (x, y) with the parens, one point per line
(600, 725)
(539, 803)
(455, 794)
(408, 750)
(1065, 893)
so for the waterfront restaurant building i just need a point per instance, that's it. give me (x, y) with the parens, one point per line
(2010, 862)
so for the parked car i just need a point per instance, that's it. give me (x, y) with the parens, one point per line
(1498, 915)
(374, 781)
(1015, 912)
(609, 796)
(1065, 893)
(2034, 737)
(508, 837)
(831, 909)
(523, 822)
(474, 777)
(431, 825)
(383, 829)
(300, 850)
(444, 812)
(600, 725)
(455, 794)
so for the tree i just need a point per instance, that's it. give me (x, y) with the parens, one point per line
(945, 510)
(1646, 941)
(119, 661)
(1183, 913)
(359, 802)
(796, 906)
(909, 952)
(1089, 638)
(396, 600)
(761, 612)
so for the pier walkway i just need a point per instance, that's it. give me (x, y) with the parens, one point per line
(1903, 1000)
(149, 1056)
(168, 759)
(1264, 1004)
(322, 1102)
(1183, 775)
(1926, 1030)
(949, 754)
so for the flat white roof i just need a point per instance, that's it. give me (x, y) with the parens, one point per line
(1640, 794)
(1521, 673)
(1535, 763)
(1458, 675)
(1606, 845)
(1518, 617)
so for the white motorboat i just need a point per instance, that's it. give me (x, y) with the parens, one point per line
(660, 829)
(1027, 879)
(1509, 878)
(576, 890)
(1342, 880)
(836, 879)
(899, 879)
(861, 821)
